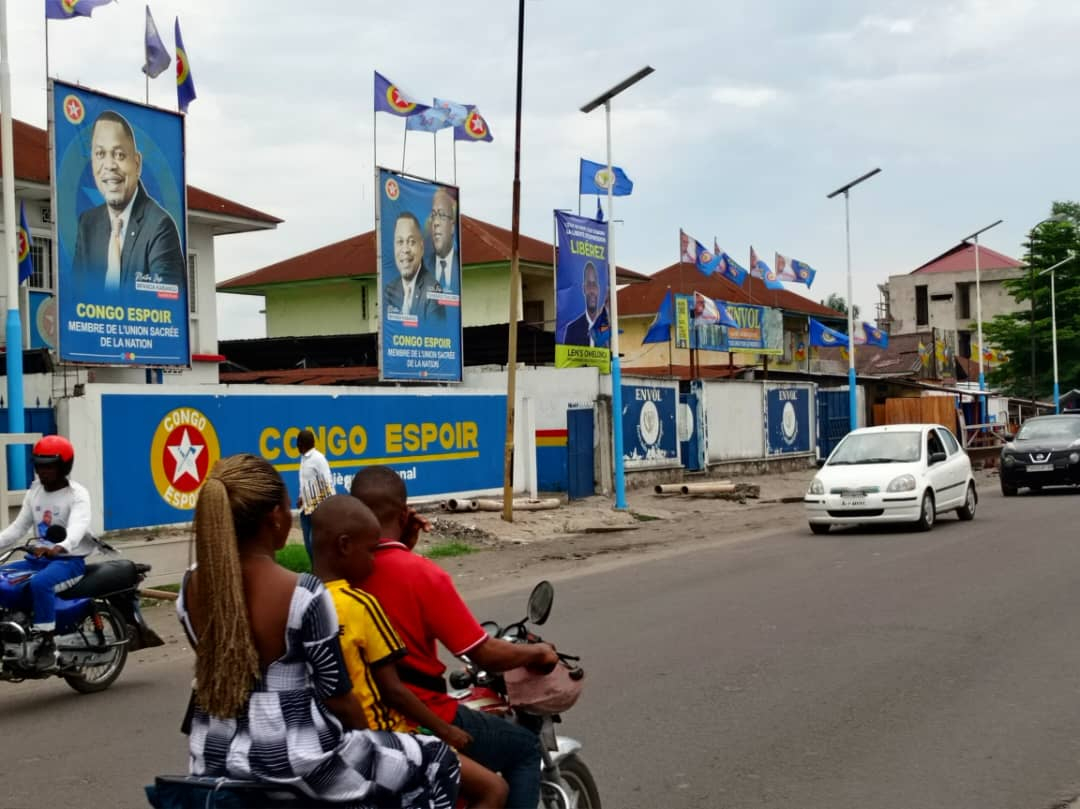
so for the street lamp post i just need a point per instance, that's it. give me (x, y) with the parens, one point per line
(978, 320)
(1053, 327)
(853, 397)
(616, 365)
(1058, 217)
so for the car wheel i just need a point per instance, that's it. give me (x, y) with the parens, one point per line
(967, 511)
(927, 513)
(819, 527)
(1007, 489)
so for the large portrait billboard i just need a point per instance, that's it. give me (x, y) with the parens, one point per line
(582, 329)
(120, 203)
(419, 258)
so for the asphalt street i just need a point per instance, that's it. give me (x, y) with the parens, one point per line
(881, 669)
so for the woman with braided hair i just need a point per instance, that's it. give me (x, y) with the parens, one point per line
(272, 697)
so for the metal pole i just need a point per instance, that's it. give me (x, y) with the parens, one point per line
(1053, 332)
(1034, 405)
(13, 332)
(404, 143)
(512, 323)
(978, 321)
(853, 397)
(616, 365)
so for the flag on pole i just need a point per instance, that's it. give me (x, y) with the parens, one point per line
(706, 310)
(687, 252)
(431, 120)
(455, 113)
(392, 99)
(475, 127)
(824, 337)
(599, 211)
(695, 252)
(759, 269)
(729, 267)
(875, 336)
(66, 9)
(157, 58)
(593, 179)
(660, 329)
(791, 269)
(26, 261)
(185, 84)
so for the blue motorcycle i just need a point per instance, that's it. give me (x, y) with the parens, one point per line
(97, 622)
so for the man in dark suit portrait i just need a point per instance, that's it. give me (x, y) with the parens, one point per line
(408, 293)
(441, 227)
(130, 241)
(580, 332)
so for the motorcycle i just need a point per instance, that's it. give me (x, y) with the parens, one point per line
(98, 621)
(566, 782)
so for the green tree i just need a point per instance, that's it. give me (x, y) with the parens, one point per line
(1047, 244)
(837, 302)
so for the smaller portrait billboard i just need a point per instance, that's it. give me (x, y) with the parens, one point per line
(418, 231)
(582, 328)
(120, 202)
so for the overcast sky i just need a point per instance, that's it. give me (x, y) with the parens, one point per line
(757, 109)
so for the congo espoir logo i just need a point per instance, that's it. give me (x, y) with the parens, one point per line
(184, 450)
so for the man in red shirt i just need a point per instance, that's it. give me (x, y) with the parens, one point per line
(425, 609)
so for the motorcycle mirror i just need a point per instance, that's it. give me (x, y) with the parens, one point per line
(540, 600)
(491, 628)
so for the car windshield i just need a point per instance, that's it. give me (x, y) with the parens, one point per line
(1067, 429)
(868, 448)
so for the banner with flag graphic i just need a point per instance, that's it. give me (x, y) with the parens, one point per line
(185, 84)
(660, 329)
(791, 269)
(157, 58)
(875, 336)
(729, 267)
(23, 245)
(824, 337)
(431, 120)
(759, 269)
(706, 310)
(455, 113)
(475, 127)
(593, 178)
(392, 99)
(66, 9)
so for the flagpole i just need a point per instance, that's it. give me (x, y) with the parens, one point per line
(404, 142)
(671, 328)
(46, 53)
(148, 89)
(435, 154)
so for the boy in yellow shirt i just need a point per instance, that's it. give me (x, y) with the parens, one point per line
(344, 536)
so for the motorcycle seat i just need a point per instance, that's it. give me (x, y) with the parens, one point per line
(102, 579)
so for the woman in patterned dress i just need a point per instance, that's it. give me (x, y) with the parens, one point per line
(272, 699)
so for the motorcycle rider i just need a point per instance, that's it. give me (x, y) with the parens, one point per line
(423, 605)
(52, 501)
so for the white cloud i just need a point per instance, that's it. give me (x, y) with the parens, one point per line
(745, 97)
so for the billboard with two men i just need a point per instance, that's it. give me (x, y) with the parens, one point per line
(419, 261)
(120, 203)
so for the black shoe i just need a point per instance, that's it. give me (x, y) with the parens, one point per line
(45, 654)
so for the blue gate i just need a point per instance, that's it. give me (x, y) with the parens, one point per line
(37, 420)
(579, 452)
(833, 420)
(693, 456)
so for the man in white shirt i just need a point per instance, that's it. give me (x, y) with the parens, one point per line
(316, 482)
(442, 225)
(53, 502)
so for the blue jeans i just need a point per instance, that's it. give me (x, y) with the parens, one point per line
(50, 577)
(506, 748)
(305, 529)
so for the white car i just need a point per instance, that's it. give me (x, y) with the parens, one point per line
(902, 473)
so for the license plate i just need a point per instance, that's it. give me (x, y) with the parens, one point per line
(1041, 467)
(853, 502)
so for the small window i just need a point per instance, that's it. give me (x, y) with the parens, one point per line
(192, 284)
(534, 313)
(41, 255)
(922, 306)
(364, 302)
(952, 446)
(933, 443)
(963, 301)
(963, 339)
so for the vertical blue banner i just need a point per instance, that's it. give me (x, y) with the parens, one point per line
(120, 203)
(787, 421)
(650, 437)
(582, 328)
(418, 229)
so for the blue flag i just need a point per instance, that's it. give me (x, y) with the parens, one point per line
(760, 269)
(875, 336)
(431, 120)
(824, 337)
(729, 267)
(599, 211)
(66, 9)
(157, 58)
(592, 179)
(392, 99)
(601, 330)
(660, 329)
(694, 252)
(475, 127)
(455, 113)
(185, 84)
(707, 310)
(26, 261)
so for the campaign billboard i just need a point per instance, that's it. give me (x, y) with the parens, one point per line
(760, 329)
(650, 437)
(691, 333)
(158, 449)
(120, 203)
(418, 232)
(582, 328)
(787, 420)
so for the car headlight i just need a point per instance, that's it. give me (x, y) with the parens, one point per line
(904, 483)
(1074, 457)
(1008, 460)
(816, 487)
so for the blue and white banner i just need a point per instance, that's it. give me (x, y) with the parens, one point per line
(419, 247)
(650, 437)
(120, 203)
(582, 329)
(787, 420)
(158, 449)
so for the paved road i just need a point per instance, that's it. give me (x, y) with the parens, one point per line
(855, 670)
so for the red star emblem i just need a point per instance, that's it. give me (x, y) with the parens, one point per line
(73, 109)
(398, 100)
(24, 244)
(477, 125)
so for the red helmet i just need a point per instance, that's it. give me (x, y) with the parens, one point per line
(54, 449)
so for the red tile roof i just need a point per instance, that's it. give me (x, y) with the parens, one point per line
(962, 259)
(32, 164)
(645, 299)
(481, 243)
